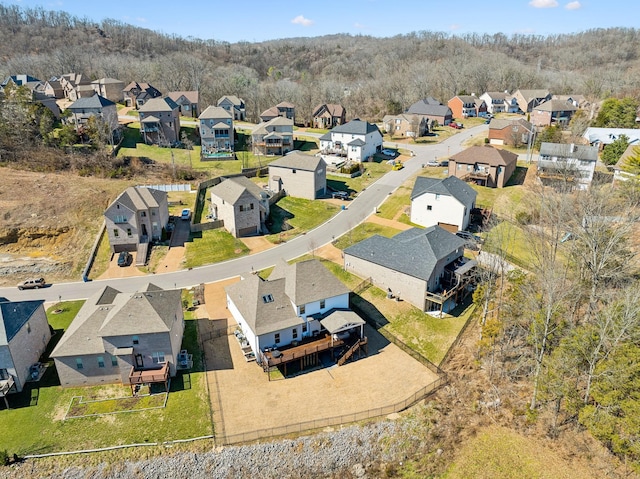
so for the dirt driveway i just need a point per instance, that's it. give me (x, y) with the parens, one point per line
(244, 400)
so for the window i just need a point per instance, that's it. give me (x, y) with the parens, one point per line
(135, 340)
(100, 361)
(143, 213)
(267, 298)
(322, 304)
(429, 207)
(304, 328)
(114, 361)
(293, 171)
(276, 338)
(251, 206)
(158, 358)
(129, 232)
(241, 207)
(120, 219)
(303, 308)
(116, 233)
(79, 364)
(437, 196)
(295, 333)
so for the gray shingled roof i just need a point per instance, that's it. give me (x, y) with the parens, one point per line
(151, 311)
(500, 124)
(214, 112)
(413, 252)
(451, 186)
(95, 101)
(231, 189)
(563, 150)
(485, 154)
(298, 160)
(556, 105)
(338, 320)
(165, 104)
(13, 316)
(140, 198)
(356, 127)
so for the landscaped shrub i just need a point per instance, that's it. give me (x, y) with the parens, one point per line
(4, 458)
(350, 168)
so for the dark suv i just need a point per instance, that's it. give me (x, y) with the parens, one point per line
(124, 258)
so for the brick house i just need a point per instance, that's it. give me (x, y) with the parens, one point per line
(512, 132)
(466, 106)
(241, 204)
(484, 165)
(160, 121)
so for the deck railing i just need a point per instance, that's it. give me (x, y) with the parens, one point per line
(149, 375)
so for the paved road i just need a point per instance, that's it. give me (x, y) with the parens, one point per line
(357, 211)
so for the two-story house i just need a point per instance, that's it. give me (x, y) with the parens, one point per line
(467, 106)
(24, 335)
(76, 85)
(187, 101)
(484, 165)
(443, 202)
(160, 121)
(95, 106)
(529, 99)
(328, 115)
(299, 175)
(216, 133)
(109, 88)
(433, 110)
(235, 106)
(425, 267)
(293, 315)
(283, 109)
(357, 140)
(241, 204)
(137, 94)
(274, 137)
(500, 102)
(553, 112)
(569, 164)
(117, 337)
(138, 215)
(406, 125)
(512, 132)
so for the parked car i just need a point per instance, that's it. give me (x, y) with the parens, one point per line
(124, 258)
(457, 126)
(431, 163)
(186, 214)
(33, 283)
(343, 195)
(389, 152)
(398, 166)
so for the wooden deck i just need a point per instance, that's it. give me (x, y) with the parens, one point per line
(149, 375)
(293, 353)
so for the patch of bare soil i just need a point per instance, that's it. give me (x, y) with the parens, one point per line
(48, 222)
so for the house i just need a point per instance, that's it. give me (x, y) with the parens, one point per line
(18, 80)
(512, 132)
(299, 175)
(138, 215)
(76, 85)
(433, 110)
(406, 125)
(328, 115)
(529, 99)
(24, 335)
(628, 166)
(567, 163)
(357, 140)
(52, 88)
(241, 204)
(95, 106)
(235, 106)
(273, 137)
(425, 267)
(553, 112)
(216, 133)
(283, 109)
(579, 101)
(500, 102)
(187, 102)
(110, 88)
(160, 121)
(466, 106)
(137, 94)
(484, 165)
(444, 202)
(128, 338)
(602, 137)
(300, 311)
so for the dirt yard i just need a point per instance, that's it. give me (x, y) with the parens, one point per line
(244, 400)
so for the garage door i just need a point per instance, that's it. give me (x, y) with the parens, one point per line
(253, 230)
(496, 141)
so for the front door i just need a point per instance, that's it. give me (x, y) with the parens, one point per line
(144, 230)
(139, 361)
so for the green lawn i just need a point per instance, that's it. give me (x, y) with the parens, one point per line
(364, 231)
(212, 246)
(67, 311)
(34, 425)
(372, 171)
(302, 215)
(400, 199)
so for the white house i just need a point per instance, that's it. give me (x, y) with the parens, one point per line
(291, 306)
(568, 162)
(601, 137)
(447, 203)
(357, 140)
(500, 102)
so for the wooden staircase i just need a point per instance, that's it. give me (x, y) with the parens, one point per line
(345, 357)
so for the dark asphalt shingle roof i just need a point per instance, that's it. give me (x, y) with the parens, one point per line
(231, 189)
(451, 186)
(95, 101)
(13, 316)
(356, 127)
(563, 150)
(299, 161)
(414, 252)
(485, 154)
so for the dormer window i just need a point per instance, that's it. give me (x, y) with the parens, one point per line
(267, 298)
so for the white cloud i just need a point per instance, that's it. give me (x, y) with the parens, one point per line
(455, 26)
(573, 5)
(359, 26)
(543, 3)
(141, 20)
(300, 20)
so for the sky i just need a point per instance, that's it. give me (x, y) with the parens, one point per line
(260, 20)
